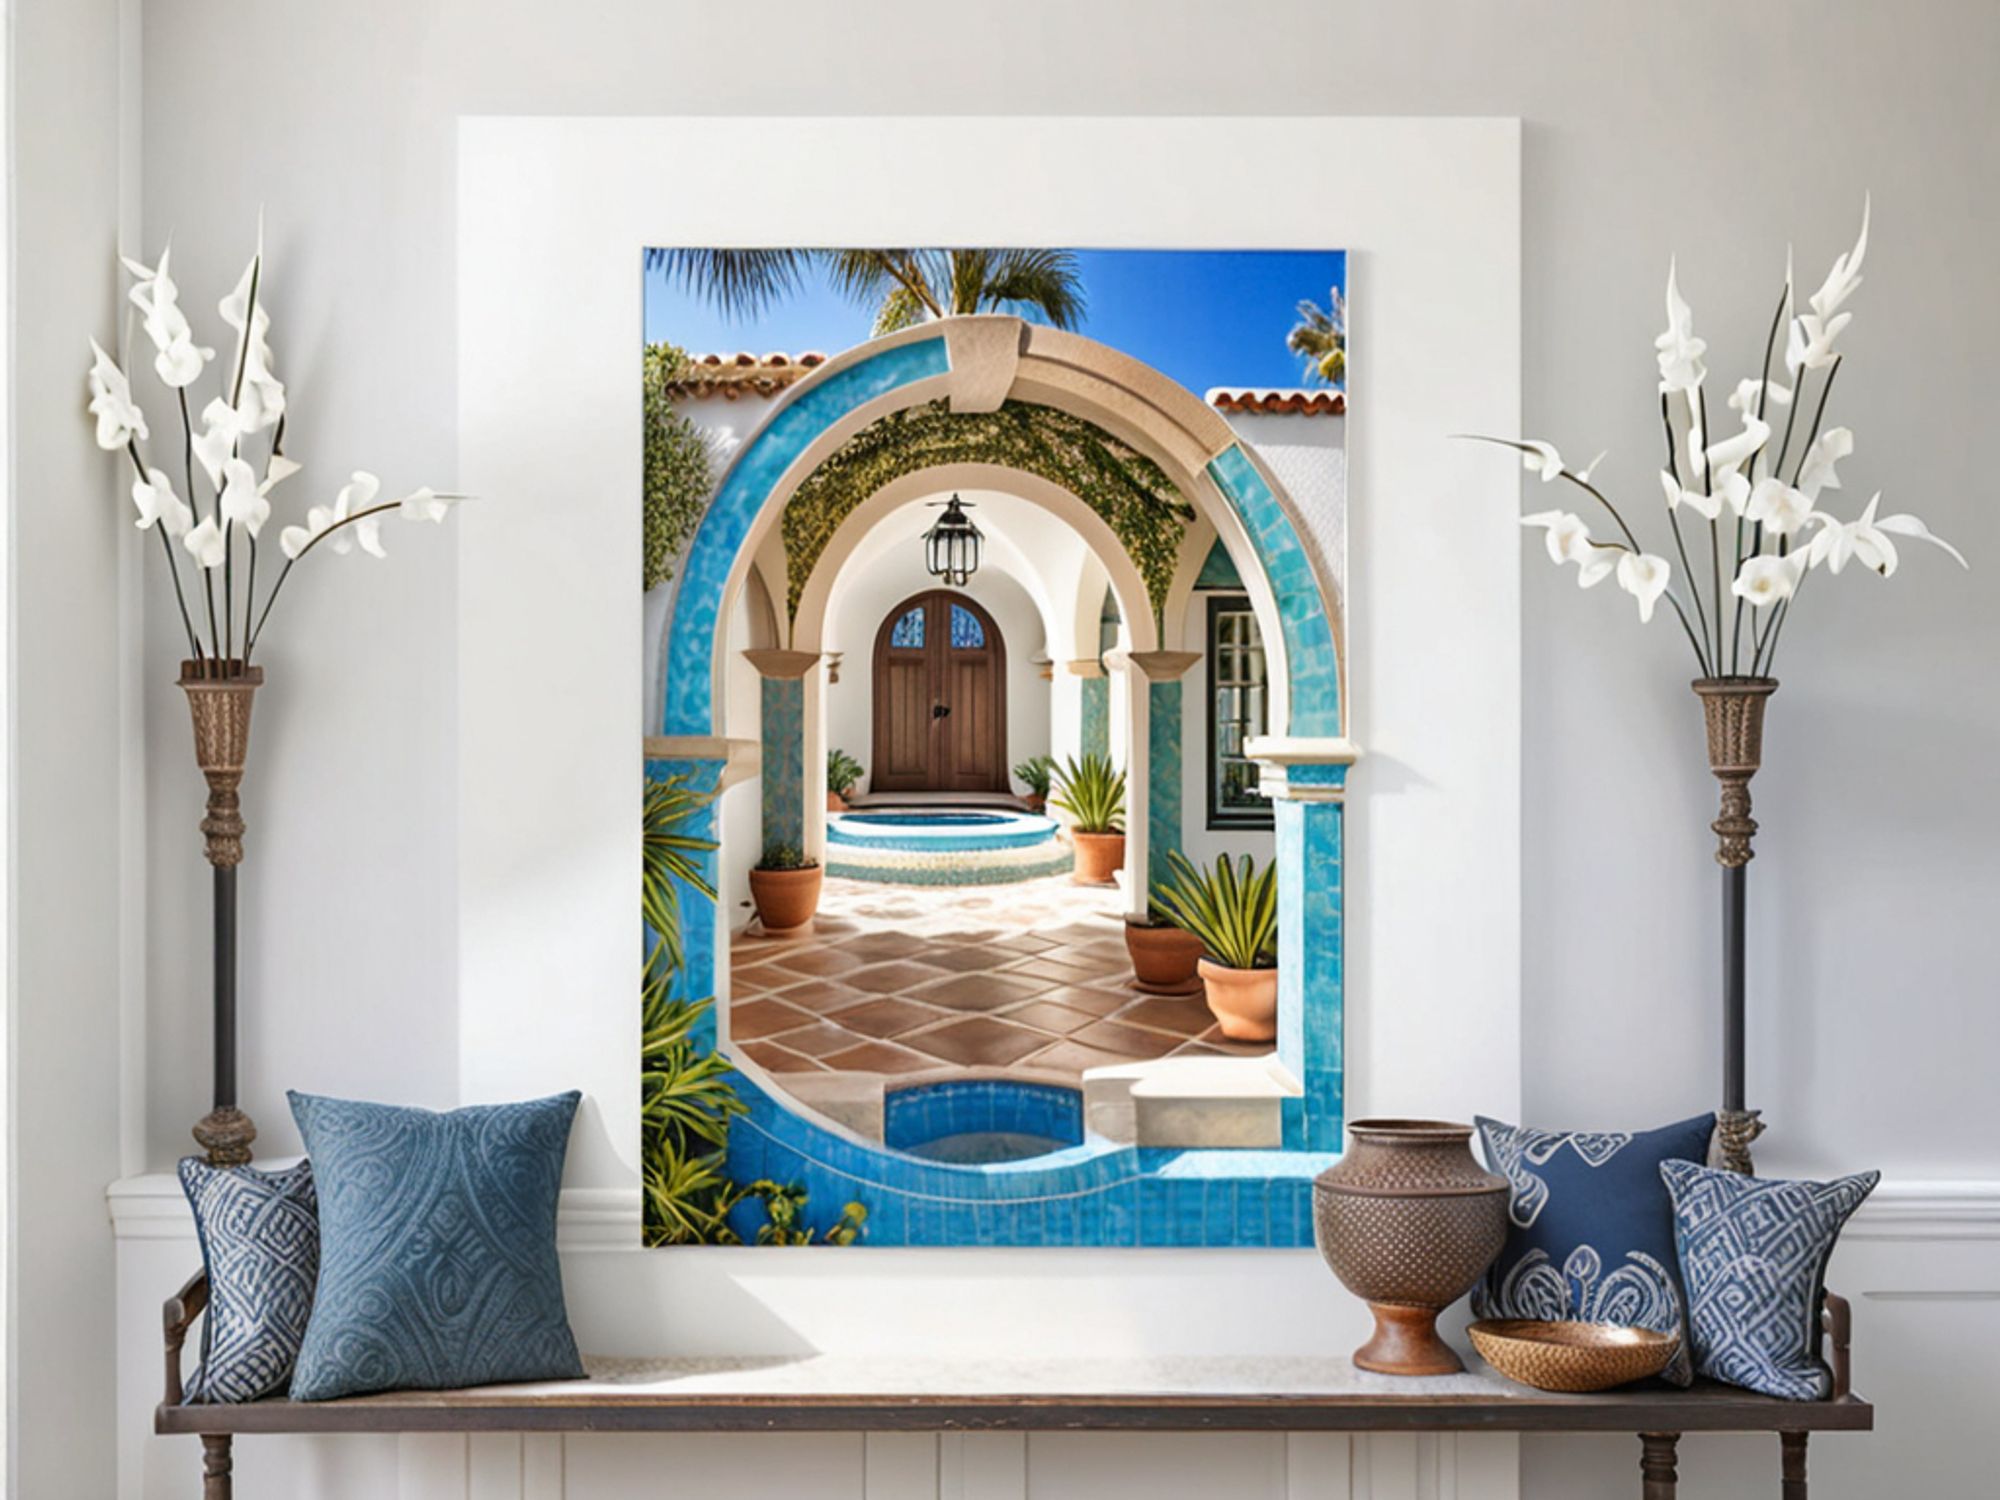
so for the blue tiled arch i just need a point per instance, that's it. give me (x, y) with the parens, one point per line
(1096, 1193)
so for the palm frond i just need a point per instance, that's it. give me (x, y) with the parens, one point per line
(1042, 281)
(900, 309)
(739, 282)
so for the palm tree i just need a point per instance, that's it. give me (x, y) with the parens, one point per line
(1321, 337)
(906, 287)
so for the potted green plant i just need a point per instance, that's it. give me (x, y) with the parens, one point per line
(1233, 910)
(785, 886)
(842, 772)
(1092, 792)
(1035, 773)
(1164, 956)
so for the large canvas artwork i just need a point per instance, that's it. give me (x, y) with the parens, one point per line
(994, 678)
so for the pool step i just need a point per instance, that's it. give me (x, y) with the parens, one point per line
(1190, 1102)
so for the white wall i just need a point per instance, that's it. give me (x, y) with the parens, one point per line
(1872, 952)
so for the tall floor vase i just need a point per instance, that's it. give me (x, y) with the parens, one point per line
(1733, 708)
(219, 696)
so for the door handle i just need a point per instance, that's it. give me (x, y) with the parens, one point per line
(940, 710)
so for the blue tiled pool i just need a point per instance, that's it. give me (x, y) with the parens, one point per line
(941, 832)
(979, 1121)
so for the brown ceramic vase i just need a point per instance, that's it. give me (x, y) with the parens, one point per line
(1099, 858)
(1408, 1221)
(786, 899)
(1163, 957)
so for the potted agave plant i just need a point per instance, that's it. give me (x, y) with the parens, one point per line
(785, 885)
(1761, 495)
(1165, 957)
(209, 501)
(1092, 792)
(843, 772)
(1035, 773)
(1232, 910)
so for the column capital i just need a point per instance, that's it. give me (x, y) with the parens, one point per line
(771, 662)
(739, 760)
(1162, 666)
(1088, 666)
(1302, 768)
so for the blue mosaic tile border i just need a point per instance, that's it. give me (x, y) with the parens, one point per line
(1163, 779)
(1095, 731)
(784, 737)
(920, 1112)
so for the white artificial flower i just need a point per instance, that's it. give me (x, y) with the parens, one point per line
(1777, 507)
(1680, 352)
(178, 359)
(156, 501)
(356, 496)
(1816, 473)
(295, 539)
(119, 419)
(261, 399)
(205, 542)
(1644, 577)
(277, 469)
(1813, 333)
(1747, 392)
(1766, 580)
(1568, 541)
(1733, 452)
(1596, 565)
(1866, 540)
(1710, 506)
(1815, 336)
(215, 444)
(426, 504)
(1845, 276)
(1591, 467)
(1542, 459)
(242, 503)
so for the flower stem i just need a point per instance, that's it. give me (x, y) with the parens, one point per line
(173, 563)
(1680, 544)
(207, 577)
(1819, 415)
(286, 572)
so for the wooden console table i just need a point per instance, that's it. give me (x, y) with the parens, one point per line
(834, 1393)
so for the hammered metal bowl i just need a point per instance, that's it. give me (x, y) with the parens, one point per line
(1573, 1357)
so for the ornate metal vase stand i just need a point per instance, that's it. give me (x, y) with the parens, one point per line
(219, 696)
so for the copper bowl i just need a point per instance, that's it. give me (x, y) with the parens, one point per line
(1574, 1357)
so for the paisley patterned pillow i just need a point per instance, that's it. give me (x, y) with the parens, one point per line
(438, 1246)
(1590, 1231)
(259, 1236)
(1753, 1252)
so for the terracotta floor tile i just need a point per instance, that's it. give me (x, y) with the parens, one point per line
(777, 1059)
(875, 947)
(822, 961)
(968, 958)
(821, 995)
(1052, 969)
(1132, 1043)
(819, 1039)
(886, 1017)
(879, 1057)
(979, 992)
(1097, 1000)
(895, 978)
(1073, 1057)
(761, 1018)
(978, 1042)
(1188, 1017)
(1045, 1015)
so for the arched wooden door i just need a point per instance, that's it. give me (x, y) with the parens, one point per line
(940, 698)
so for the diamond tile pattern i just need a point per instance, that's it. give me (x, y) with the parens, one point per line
(1030, 980)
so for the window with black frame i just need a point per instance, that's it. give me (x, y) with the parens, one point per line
(1237, 699)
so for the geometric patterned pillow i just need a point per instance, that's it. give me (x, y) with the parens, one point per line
(1753, 1253)
(259, 1236)
(438, 1264)
(1590, 1232)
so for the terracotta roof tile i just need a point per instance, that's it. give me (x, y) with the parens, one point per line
(730, 376)
(1305, 402)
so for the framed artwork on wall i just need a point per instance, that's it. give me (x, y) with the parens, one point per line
(893, 1006)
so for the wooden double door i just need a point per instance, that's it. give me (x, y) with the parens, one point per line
(940, 698)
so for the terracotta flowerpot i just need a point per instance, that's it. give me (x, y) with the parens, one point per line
(786, 899)
(835, 802)
(1036, 803)
(1099, 858)
(1244, 1001)
(1164, 957)
(1408, 1221)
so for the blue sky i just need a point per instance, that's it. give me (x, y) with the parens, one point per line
(1204, 317)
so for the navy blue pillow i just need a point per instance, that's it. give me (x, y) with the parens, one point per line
(259, 1235)
(437, 1246)
(1590, 1232)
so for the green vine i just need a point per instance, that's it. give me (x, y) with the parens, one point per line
(679, 476)
(1130, 491)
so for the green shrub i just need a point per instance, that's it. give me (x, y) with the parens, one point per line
(679, 476)
(842, 771)
(1092, 791)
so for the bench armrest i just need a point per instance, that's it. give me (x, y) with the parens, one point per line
(177, 1317)
(1836, 1319)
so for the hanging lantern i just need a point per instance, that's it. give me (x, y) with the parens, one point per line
(951, 547)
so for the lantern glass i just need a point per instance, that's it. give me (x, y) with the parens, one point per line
(952, 546)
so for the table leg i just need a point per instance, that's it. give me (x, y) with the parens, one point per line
(1792, 1456)
(1656, 1465)
(216, 1483)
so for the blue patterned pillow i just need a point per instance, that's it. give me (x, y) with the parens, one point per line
(1753, 1253)
(438, 1246)
(1590, 1233)
(259, 1235)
